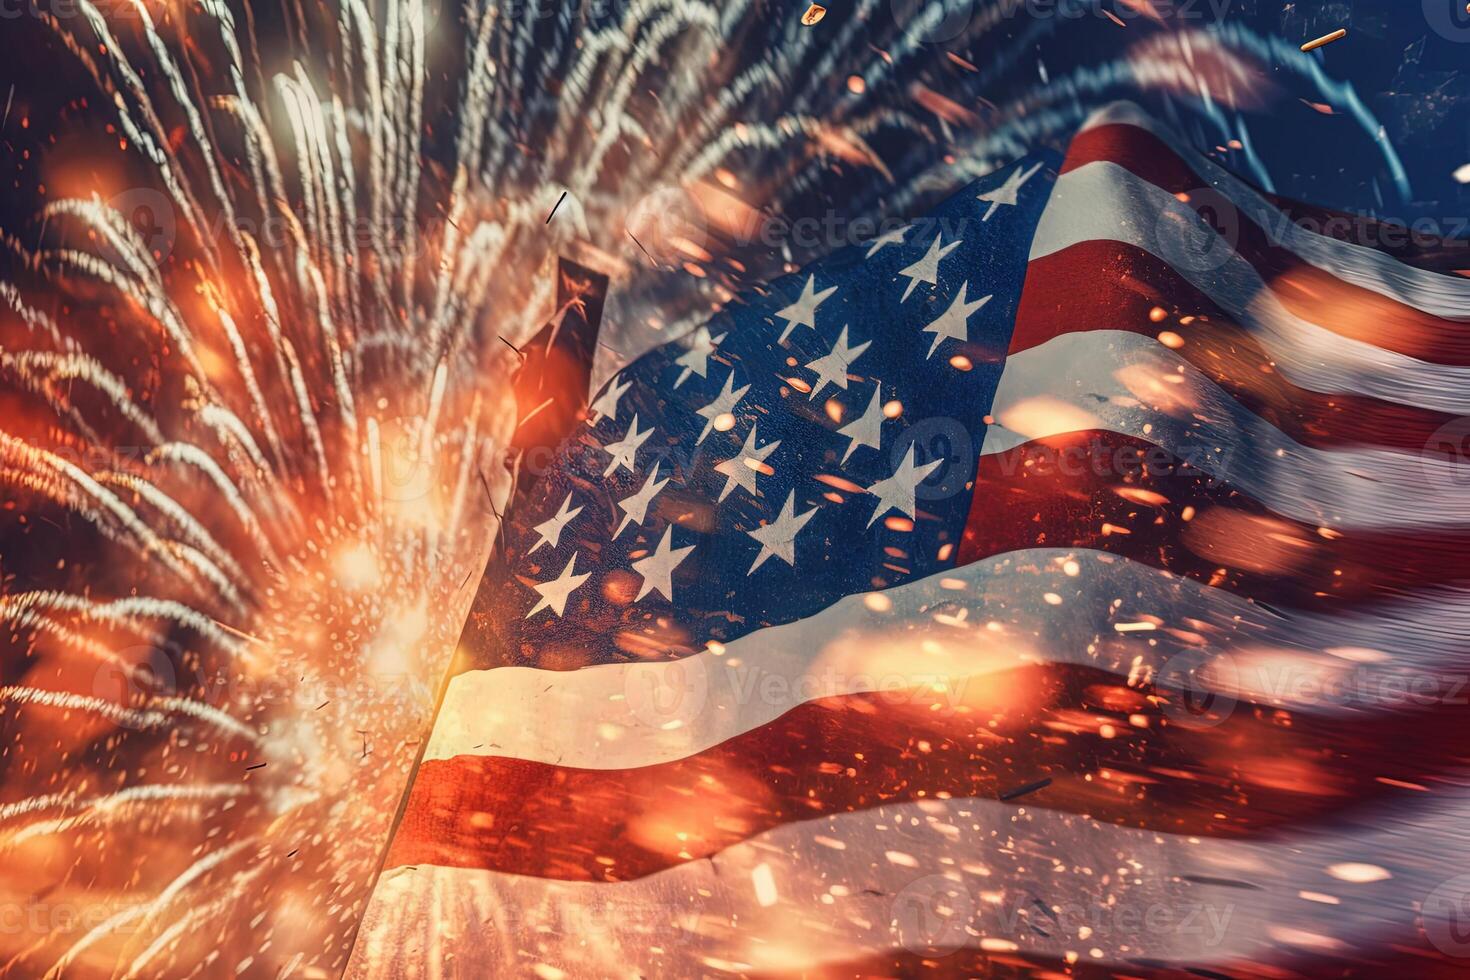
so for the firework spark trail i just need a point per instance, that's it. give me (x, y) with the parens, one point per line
(22, 609)
(147, 911)
(154, 140)
(197, 917)
(250, 461)
(155, 715)
(120, 806)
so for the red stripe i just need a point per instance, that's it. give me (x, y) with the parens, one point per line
(1306, 291)
(1072, 491)
(1134, 149)
(1244, 776)
(1110, 286)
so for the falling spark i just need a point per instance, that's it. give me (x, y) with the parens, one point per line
(1027, 789)
(1336, 35)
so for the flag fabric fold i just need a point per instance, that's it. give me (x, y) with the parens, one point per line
(1074, 575)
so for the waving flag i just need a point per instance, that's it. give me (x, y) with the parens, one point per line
(1075, 574)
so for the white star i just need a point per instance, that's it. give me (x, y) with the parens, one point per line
(606, 405)
(779, 537)
(550, 530)
(741, 471)
(695, 360)
(554, 593)
(1006, 192)
(635, 508)
(833, 367)
(868, 429)
(623, 451)
(953, 323)
(723, 404)
(927, 268)
(658, 568)
(897, 492)
(894, 237)
(804, 311)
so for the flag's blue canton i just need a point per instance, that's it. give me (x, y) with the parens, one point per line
(850, 334)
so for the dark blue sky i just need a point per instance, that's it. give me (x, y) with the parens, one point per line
(1406, 59)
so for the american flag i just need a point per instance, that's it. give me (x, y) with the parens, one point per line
(1072, 580)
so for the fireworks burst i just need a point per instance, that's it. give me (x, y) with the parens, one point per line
(251, 442)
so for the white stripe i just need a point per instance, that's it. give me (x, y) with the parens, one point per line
(931, 877)
(1104, 202)
(943, 634)
(1131, 384)
(1363, 266)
